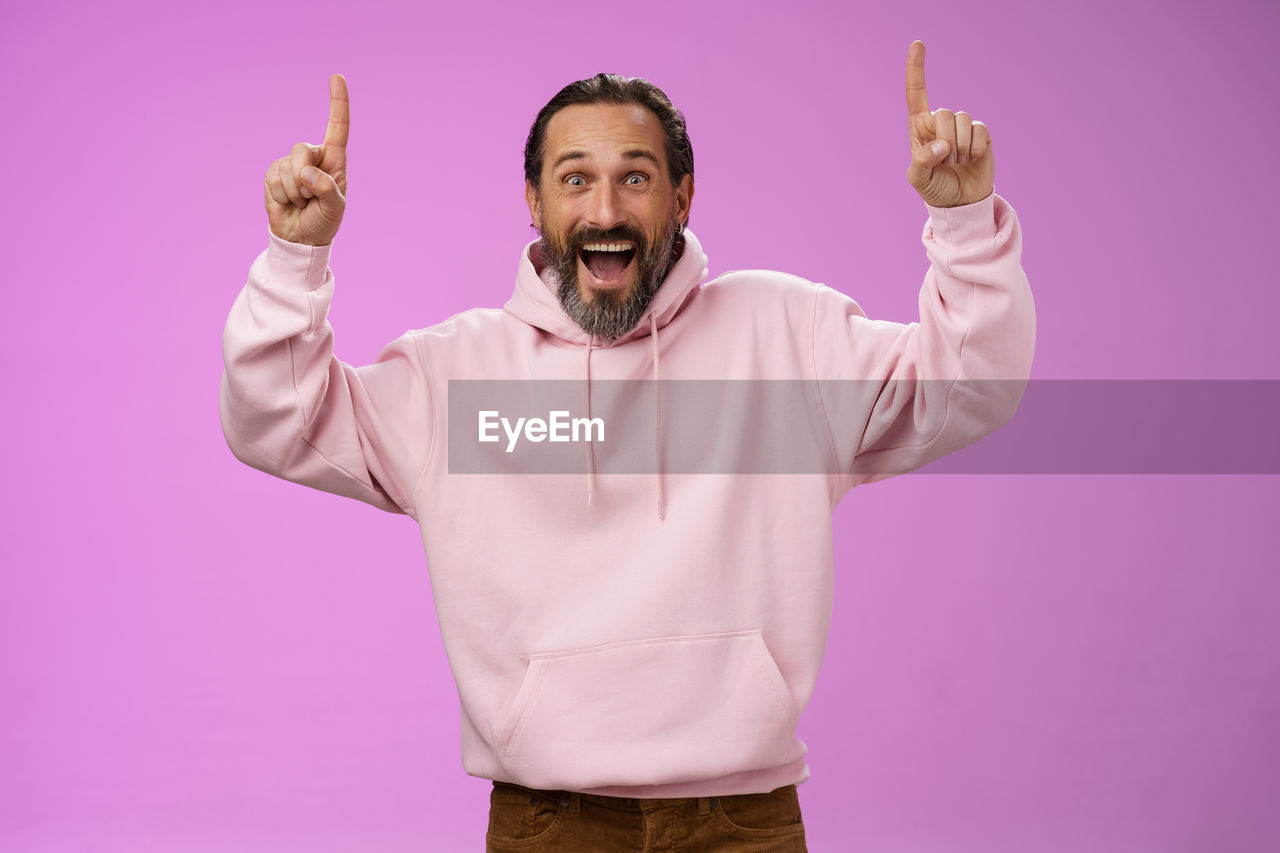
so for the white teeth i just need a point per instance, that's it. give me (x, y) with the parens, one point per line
(608, 247)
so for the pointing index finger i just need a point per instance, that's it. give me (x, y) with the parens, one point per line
(335, 135)
(917, 98)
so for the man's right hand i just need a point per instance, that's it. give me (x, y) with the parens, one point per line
(306, 190)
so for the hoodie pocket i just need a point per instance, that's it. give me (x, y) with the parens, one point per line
(650, 712)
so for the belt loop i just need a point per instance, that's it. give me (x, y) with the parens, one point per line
(704, 806)
(575, 802)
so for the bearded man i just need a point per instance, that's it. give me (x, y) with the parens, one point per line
(632, 662)
(606, 274)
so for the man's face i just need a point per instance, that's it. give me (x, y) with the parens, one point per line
(607, 212)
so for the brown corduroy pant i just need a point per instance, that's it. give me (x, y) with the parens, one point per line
(525, 820)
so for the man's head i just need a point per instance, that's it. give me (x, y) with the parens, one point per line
(609, 183)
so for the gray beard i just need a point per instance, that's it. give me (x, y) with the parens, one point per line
(606, 317)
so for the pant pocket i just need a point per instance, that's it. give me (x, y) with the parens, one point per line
(521, 819)
(758, 816)
(650, 712)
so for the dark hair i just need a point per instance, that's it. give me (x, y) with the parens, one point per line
(613, 89)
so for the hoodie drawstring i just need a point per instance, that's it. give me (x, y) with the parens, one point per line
(657, 397)
(591, 453)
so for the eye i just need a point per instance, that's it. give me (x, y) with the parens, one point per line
(575, 181)
(637, 178)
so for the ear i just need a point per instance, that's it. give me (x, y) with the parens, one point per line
(532, 199)
(684, 199)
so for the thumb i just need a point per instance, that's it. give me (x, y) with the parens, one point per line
(923, 161)
(324, 188)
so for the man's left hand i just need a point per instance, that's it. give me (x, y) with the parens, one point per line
(963, 171)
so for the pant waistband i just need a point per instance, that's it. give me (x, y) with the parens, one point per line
(574, 800)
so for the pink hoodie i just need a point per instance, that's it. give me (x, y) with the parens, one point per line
(641, 635)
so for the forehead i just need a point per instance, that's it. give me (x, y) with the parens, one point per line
(603, 131)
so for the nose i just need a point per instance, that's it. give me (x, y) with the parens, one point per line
(604, 209)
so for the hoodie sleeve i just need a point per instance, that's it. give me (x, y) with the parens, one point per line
(291, 409)
(899, 396)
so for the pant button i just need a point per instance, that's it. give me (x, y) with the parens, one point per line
(564, 801)
(534, 801)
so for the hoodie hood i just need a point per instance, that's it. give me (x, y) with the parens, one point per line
(536, 303)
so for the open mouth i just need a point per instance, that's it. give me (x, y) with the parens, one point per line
(607, 261)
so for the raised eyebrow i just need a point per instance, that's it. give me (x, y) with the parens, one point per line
(640, 154)
(567, 156)
(634, 154)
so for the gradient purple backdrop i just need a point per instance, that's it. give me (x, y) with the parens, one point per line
(196, 657)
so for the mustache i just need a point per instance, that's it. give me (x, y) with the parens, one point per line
(619, 234)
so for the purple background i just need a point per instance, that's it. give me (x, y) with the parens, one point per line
(197, 657)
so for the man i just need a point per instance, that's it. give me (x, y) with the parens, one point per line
(632, 647)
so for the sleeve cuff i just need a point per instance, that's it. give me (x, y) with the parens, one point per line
(297, 263)
(963, 225)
